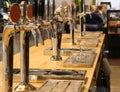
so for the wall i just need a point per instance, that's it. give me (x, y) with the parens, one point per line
(88, 2)
(58, 2)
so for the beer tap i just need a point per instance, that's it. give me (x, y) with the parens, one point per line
(82, 23)
(24, 85)
(8, 36)
(73, 15)
(49, 9)
(46, 13)
(43, 10)
(83, 26)
(31, 20)
(7, 45)
(7, 65)
(40, 19)
(56, 40)
(82, 18)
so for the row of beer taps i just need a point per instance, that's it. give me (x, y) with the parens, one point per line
(43, 19)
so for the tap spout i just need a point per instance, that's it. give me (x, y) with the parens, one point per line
(35, 35)
(56, 43)
(83, 26)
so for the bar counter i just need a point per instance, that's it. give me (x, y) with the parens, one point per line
(40, 61)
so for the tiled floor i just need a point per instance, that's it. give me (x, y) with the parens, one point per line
(115, 79)
(115, 76)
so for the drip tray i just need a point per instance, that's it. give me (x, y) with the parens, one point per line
(62, 86)
(80, 60)
(89, 34)
(68, 51)
(36, 75)
(61, 73)
(90, 42)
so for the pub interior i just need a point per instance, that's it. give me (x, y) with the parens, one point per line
(59, 46)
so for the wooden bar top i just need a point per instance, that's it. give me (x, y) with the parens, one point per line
(40, 61)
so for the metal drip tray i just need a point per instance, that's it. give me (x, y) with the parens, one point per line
(68, 74)
(61, 86)
(38, 72)
(68, 51)
(92, 42)
(80, 60)
(36, 75)
(89, 34)
(61, 73)
(92, 35)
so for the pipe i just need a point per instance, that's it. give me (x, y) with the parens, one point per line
(56, 43)
(51, 8)
(24, 86)
(7, 63)
(47, 10)
(72, 32)
(73, 15)
(83, 26)
(24, 56)
(82, 21)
